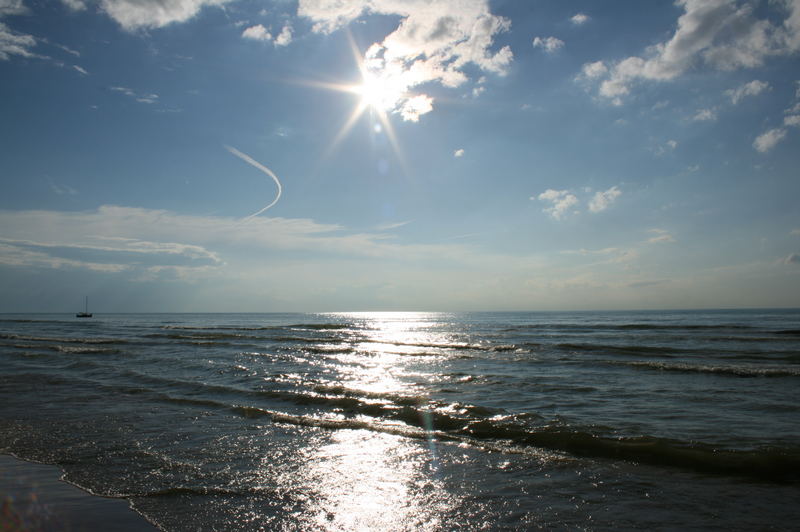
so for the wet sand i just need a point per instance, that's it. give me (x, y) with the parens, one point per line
(34, 498)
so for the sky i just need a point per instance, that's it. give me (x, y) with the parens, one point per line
(321, 155)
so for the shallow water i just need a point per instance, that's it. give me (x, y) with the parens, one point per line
(407, 421)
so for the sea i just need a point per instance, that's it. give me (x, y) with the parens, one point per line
(646, 420)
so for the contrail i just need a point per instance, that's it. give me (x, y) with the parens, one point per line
(252, 162)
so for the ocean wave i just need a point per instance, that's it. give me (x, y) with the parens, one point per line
(628, 327)
(637, 350)
(779, 464)
(68, 349)
(309, 326)
(738, 371)
(4, 336)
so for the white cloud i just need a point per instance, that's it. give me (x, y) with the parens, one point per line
(75, 5)
(412, 108)
(80, 69)
(459, 152)
(722, 34)
(149, 225)
(107, 254)
(752, 88)
(793, 258)
(434, 42)
(579, 19)
(12, 7)
(766, 141)
(562, 201)
(792, 120)
(668, 146)
(257, 33)
(136, 14)
(141, 98)
(594, 70)
(550, 44)
(285, 37)
(661, 236)
(603, 200)
(705, 115)
(14, 43)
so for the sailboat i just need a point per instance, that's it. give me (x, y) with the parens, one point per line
(85, 313)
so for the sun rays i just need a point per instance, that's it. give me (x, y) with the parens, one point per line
(379, 91)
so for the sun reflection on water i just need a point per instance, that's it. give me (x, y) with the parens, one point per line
(361, 479)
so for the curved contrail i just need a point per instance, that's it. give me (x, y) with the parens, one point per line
(252, 162)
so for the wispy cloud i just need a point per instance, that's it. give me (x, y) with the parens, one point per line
(116, 255)
(660, 236)
(705, 115)
(753, 88)
(80, 69)
(390, 226)
(15, 43)
(665, 148)
(603, 200)
(139, 97)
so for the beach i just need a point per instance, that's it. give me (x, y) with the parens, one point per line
(34, 498)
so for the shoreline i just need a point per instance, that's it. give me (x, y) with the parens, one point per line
(34, 497)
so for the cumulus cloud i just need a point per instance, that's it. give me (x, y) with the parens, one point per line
(721, 34)
(767, 141)
(459, 152)
(592, 71)
(753, 88)
(144, 14)
(550, 44)
(284, 37)
(434, 42)
(792, 120)
(579, 19)
(603, 200)
(257, 33)
(565, 202)
(561, 202)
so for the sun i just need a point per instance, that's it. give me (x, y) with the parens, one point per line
(377, 92)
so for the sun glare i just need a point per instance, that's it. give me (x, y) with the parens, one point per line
(377, 93)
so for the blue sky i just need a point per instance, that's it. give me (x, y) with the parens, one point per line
(448, 155)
